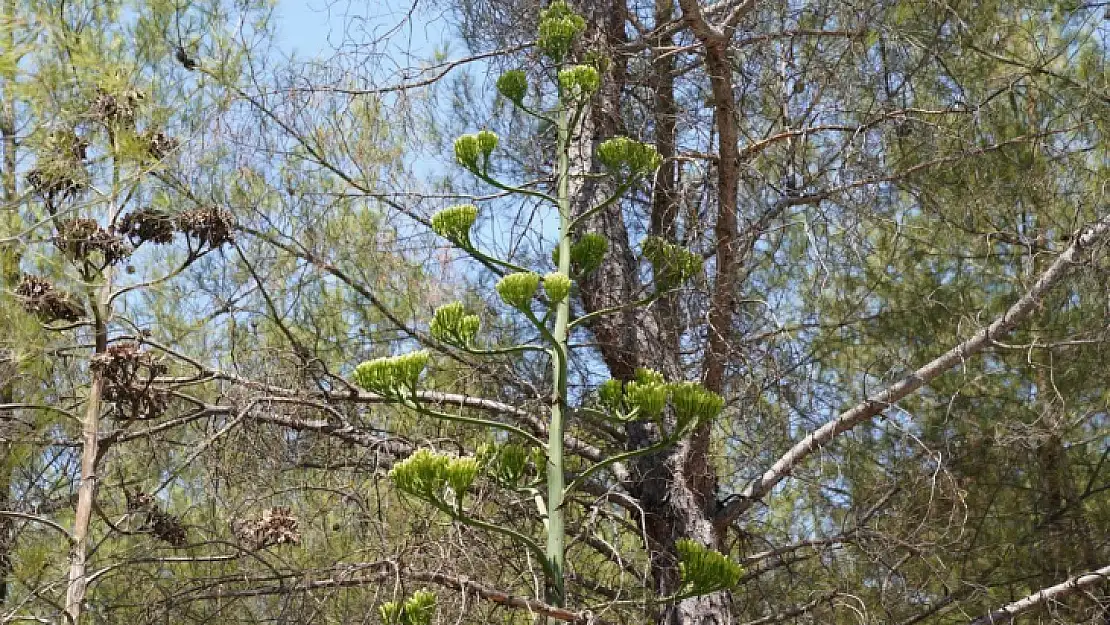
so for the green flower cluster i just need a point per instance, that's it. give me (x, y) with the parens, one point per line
(704, 570)
(513, 85)
(647, 394)
(579, 81)
(425, 474)
(586, 253)
(621, 154)
(452, 325)
(557, 286)
(673, 264)
(694, 404)
(517, 289)
(506, 463)
(559, 27)
(393, 376)
(472, 151)
(454, 223)
(646, 397)
(416, 610)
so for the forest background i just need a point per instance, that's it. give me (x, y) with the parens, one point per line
(500, 311)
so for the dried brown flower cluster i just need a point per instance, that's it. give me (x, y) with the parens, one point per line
(81, 238)
(129, 375)
(276, 526)
(164, 526)
(107, 107)
(158, 143)
(211, 225)
(146, 225)
(40, 298)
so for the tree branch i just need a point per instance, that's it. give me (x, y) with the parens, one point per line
(873, 406)
(1007, 613)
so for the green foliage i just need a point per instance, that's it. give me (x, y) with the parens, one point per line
(559, 27)
(579, 81)
(454, 223)
(392, 376)
(518, 289)
(416, 610)
(513, 84)
(673, 264)
(704, 570)
(452, 325)
(557, 286)
(628, 156)
(423, 474)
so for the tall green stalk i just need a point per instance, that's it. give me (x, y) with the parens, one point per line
(556, 528)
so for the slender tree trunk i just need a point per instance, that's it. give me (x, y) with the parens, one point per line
(9, 274)
(90, 457)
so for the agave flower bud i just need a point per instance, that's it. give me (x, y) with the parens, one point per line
(557, 286)
(392, 612)
(587, 253)
(704, 570)
(487, 142)
(461, 473)
(517, 289)
(647, 393)
(673, 264)
(452, 325)
(410, 366)
(559, 27)
(467, 151)
(392, 376)
(610, 394)
(420, 608)
(423, 474)
(513, 85)
(693, 405)
(579, 81)
(622, 154)
(454, 223)
(511, 460)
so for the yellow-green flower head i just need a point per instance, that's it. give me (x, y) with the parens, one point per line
(559, 27)
(461, 473)
(610, 393)
(467, 151)
(416, 610)
(511, 460)
(454, 223)
(517, 289)
(423, 474)
(704, 570)
(452, 325)
(392, 376)
(579, 81)
(487, 142)
(420, 608)
(621, 154)
(513, 85)
(588, 252)
(693, 405)
(557, 286)
(673, 264)
(647, 393)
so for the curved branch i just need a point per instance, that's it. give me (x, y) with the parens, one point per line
(901, 389)
(1007, 613)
